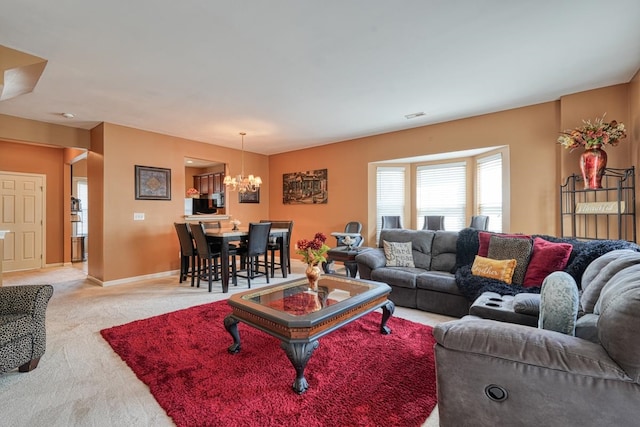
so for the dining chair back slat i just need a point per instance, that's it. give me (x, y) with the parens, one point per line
(276, 244)
(188, 255)
(255, 248)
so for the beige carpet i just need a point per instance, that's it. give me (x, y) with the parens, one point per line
(80, 381)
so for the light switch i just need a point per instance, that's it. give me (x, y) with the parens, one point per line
(138, 216)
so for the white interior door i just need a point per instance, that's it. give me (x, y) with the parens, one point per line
(21, 212)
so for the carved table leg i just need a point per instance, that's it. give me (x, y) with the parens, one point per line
(387, 311)
(231, 325)
(299, 355)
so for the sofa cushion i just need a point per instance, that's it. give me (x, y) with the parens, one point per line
(512, 248)
(443, 251)
(527, 304)
(493, 268)
(398, 254)
(559, 303)
(404, 277)
(421, 242)
(619, 305)
(600, 271)
(546, 258)
(439, 281)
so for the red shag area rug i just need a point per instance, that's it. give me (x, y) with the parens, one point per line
(357, 376)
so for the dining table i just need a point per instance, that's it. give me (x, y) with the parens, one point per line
(224, 236)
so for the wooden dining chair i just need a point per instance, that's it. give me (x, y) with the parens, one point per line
(188, 254)
(276, 244)
(255, 249)
(209, 257)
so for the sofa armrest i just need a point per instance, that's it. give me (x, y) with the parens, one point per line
(373, 258)
(370, 260)
(31, 299)
(527, 345)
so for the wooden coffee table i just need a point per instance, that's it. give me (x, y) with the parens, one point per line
(300, 316)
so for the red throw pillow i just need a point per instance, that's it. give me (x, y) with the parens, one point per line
(484, 237)
(546, 258)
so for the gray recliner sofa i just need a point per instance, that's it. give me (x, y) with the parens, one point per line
(431, 284)
(495, 373)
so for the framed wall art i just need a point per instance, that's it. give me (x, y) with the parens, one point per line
(249, 197)
(152, 183)
(304, 188)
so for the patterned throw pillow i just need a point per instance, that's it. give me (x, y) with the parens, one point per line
(493, 268)
(398, 254)
(512, 248)
(484, 238)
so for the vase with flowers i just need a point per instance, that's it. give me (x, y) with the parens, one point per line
(193, 193)
(593, 137)
(313, 253)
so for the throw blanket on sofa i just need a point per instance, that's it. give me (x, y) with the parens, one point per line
(472, 286)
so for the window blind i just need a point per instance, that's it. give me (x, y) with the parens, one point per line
(390, 182)
(489, 190)
(441, 190)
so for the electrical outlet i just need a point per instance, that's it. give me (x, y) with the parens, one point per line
(138, 216)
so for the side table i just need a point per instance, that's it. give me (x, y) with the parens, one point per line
(345, 255)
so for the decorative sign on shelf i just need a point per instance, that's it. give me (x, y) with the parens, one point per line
(599, 207)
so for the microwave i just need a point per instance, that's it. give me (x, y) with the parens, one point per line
(208, 205)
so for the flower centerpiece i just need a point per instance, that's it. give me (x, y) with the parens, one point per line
(313, 253)
(193, 193)
(235, 223)
(593, 137)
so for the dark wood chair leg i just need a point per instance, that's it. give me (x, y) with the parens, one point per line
(29, 366)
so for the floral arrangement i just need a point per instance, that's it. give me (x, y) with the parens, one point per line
(593, 135)
(313, 251)
(235, 223)
(192, 192)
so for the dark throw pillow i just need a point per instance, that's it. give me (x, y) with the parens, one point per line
(512, 248)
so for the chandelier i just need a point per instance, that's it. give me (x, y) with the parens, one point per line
(241, 183)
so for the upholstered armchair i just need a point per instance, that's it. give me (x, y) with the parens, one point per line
(22, 326)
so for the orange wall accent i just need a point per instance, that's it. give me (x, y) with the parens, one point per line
(120, 247)
(35, 159)
(138, 248)
(529, 132)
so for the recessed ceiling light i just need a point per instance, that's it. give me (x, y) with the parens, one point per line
(189, 161)
(414, 115)
(68, 115)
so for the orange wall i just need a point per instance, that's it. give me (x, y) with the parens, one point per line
(529, 133)
(537, 164)
(137, 248)
(120, 247)
(47, 161)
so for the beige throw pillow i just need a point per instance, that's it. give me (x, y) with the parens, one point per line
(398, 254)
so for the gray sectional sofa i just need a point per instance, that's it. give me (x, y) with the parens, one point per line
(431, 284)
(441, 280)
(492, 373)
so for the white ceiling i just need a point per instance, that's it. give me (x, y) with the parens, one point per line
(294, 74)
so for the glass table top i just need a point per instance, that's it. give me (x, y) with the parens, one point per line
(298, 299)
